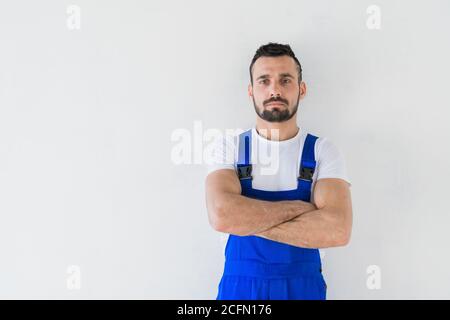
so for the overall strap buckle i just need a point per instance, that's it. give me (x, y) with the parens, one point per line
(244, 171)
(244, 165)
(306, 173)
(308, 161)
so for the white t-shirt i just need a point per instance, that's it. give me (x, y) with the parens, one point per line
(276, 163)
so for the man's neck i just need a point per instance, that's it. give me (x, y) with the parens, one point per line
(282, 130)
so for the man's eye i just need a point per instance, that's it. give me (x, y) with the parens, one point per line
(263, 81)
(286, 80)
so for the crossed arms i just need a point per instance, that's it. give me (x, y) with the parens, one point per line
(327, 223)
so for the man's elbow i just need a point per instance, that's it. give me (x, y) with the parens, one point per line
(343, 237)
(217, 218)
(343, 230)
(221, 220)
(219, 225)
(345, 240)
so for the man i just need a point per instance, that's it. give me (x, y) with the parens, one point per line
(277, 221)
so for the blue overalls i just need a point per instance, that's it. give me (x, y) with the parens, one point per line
(261, 269)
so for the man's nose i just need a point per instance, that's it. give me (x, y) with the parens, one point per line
(275, 90)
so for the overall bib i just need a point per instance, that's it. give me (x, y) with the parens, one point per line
(261, 269)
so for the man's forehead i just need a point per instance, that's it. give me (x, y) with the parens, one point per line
(274, 66)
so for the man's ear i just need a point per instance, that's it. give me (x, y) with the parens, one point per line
(302, 89)
(250, 90)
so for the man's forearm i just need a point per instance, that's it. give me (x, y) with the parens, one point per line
(315, 229)
(241, 215)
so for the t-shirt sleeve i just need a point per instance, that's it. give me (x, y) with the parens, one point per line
(222, 154)
(331, 162)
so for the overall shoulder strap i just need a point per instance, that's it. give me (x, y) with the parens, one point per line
(307, 167)
(244, 164)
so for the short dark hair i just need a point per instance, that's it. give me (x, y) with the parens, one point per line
(275, 50)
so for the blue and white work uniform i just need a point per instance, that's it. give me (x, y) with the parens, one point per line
(259, 268)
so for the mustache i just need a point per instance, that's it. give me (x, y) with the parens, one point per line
(275, 100)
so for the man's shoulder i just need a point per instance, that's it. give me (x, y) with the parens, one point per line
(224, 150)
(330, 159)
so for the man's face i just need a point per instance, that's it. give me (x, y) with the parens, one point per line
(276, 92)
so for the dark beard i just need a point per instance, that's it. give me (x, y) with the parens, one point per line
(275, 115)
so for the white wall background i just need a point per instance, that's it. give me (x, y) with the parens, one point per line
(86, 118)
